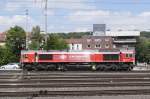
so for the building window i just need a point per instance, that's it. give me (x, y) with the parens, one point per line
(114, 46)
(77, 46)
(125, 46)
(89, 46)
(97, 46)
(88, 40)
(106, 39)
(72, 47)
(97, 40)
(107, 46)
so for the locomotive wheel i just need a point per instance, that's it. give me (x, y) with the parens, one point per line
(40, 67)
(102, 67)
(129, 68)
(28, 67)
(114, 67)
(126, 67)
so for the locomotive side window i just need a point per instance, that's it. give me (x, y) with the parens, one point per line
(129, 55)
(25, 56)
(45, 56)
(111, 57)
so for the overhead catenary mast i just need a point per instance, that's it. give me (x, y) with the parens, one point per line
(45, 17)
(26, 12)
(46, 36)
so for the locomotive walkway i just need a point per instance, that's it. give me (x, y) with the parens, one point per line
(71, 83)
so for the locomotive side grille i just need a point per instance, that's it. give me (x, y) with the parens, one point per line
(111, 56)
(45, 56)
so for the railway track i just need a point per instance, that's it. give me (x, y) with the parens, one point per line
(44, 93)
(45, 84)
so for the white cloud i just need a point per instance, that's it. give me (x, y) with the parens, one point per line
(8, 21)
(145, 14)
(75, 15)
(82, 29)
(69, 4)
(88, 15)
(12, 6)
(15, 5)
(113, 20)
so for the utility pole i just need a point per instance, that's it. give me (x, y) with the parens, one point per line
(27, 28)
(46, 36)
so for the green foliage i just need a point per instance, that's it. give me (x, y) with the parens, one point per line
(143, 50)
(145, 34)
(73, 34)
(34, 45)
(36, 38)
(6, 56)
(55, 42)
(15, 40)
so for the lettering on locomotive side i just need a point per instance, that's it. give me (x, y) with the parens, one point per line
(63, 57)
(79, 57)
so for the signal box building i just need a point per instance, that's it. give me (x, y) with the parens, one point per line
(124, 40)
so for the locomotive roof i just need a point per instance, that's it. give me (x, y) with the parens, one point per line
(76, 52)
(65, 52)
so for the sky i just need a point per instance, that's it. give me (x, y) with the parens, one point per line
(75, 15)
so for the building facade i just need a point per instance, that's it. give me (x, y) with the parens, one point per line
(90, 43)
(121, 40)
(124, 40)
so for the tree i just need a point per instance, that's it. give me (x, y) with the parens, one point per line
(143, 50)
(34, 45)
(36, 38)
(15, 40)
(55, 42)
(6, 56)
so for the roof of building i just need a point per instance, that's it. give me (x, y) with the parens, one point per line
(72, 40)
(2, 37)
(95, 37)
(122, 33)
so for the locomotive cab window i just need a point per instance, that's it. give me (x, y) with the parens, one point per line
(111, 56)
(45, 56)
(129, 55)
(25, 56)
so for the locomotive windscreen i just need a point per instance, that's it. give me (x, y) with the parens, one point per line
(111, 56)
(45, 56)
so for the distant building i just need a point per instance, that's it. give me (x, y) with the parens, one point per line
(124, 40)
(75, 44)
(121, 40)
(90, 43)
(2, 39)
(99, 29)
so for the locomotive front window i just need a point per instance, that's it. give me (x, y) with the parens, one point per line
(111, 57)
(45, 56)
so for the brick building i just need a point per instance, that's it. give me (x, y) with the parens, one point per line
(90, 43)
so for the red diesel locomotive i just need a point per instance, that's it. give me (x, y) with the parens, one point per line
(63, 60)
